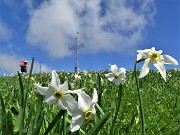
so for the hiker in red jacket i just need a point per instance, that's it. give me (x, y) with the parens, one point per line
(23, 65)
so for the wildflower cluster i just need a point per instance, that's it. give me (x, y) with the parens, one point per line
(79, 110)
(84, 108)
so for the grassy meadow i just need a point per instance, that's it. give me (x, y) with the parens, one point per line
(24, 112)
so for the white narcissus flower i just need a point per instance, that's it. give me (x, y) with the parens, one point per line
(82, 110)
(56, 92)
(158, 60)
(85, 72)
(117, 75)
(76, 76)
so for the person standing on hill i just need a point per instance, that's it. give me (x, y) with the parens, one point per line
(23, 65)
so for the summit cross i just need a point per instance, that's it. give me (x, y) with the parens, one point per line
(76, 49)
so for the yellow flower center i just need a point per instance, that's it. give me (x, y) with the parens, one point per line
(58, 94)
(154, 56)
(116, 76)
(88, 114)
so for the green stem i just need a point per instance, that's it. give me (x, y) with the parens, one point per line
(140, 101)
(64, 124)
(99, 90)
(117, 109)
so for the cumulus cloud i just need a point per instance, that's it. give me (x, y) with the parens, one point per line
(5, 32)
(108, 25)
(11, 64)
(44, 68)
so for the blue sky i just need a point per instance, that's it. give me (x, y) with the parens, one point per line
(111, 29)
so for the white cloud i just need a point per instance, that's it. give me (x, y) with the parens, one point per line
(5, 32)
(44, 68)
(111, 25)
(11, 64)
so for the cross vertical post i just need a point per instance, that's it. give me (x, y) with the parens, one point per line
(76, 49)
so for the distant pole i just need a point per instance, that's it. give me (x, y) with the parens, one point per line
(76, 49)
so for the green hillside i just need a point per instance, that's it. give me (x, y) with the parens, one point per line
(160, 102)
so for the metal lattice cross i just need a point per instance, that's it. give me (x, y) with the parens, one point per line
(76, 49)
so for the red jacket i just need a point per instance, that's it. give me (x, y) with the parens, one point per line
(22, 63)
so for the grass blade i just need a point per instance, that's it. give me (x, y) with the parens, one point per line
(64, 124)
(29, 116)
(55, 120)
(19, 122)
(39, 110)
(99, 90)
(99, 125)
(22, 90)
(9, 123)
(4, 122)
(117, 108)
(39, 124)
(99, 108)
(30, 74)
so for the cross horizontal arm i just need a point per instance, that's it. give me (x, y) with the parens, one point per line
(77, 47)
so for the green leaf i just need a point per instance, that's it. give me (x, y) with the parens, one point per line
(22, 90)
(117, 107)
(37, 129)
(99, 90)
(30, 74)
(39, 109)
(99, 108)
(19, 122)
(99, 125)
(64, 124)
(9, 123)
(55, 120)
(4, 122)
(29, 116)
